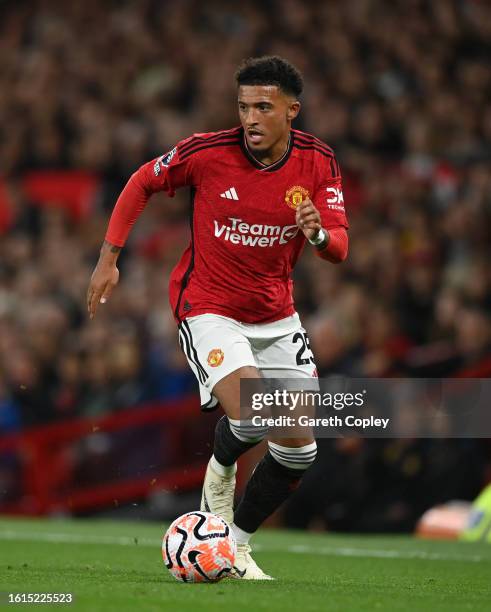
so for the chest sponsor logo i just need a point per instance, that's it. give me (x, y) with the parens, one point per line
(295, 196)
(335, 198)
(238, 231)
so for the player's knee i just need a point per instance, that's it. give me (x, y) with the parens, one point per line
(245, 431)
(296, 458)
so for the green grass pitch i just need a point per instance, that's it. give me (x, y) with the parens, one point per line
(111, 565)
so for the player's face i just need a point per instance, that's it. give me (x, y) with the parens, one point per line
(266, 114)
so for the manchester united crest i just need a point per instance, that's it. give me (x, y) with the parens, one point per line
(295, 196)
(215, 358)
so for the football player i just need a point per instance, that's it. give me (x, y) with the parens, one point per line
(260, 192)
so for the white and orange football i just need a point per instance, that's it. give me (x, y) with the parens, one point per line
(199, 547)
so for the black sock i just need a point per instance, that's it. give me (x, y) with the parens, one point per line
(269, 486)
(227, 447)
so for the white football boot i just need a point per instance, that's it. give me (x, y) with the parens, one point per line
(218, 494)
(245, 568)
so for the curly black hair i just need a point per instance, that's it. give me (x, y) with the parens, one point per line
(270, 70)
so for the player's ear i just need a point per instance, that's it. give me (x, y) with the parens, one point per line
(293, 110)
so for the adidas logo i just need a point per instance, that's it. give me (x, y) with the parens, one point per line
(230, 194)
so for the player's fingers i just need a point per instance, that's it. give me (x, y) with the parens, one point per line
(92, 307)
(94, 300)
(305, 207)
(107, 292)
(309, 222)
(309, 216)
(308, 211)
(305, 210)
(312, 225)
(90, 294)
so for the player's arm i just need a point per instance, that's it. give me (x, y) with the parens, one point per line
(330, 244)
(323, 219)
(166, 173)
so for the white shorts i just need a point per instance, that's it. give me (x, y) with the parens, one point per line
(216, 346)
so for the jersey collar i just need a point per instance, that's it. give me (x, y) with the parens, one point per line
(258, 164)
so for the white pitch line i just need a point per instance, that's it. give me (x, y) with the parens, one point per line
(343, 551)
(332, 551)
(73, 538)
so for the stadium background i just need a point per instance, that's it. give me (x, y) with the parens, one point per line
(102, 416)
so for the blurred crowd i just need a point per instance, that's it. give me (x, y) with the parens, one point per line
(400, 89)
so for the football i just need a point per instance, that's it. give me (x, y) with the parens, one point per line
(199, 547)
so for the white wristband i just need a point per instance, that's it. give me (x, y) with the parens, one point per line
(319, 239)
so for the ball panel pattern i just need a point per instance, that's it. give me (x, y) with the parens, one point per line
(199, 547)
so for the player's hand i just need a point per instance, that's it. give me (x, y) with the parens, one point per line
(104, 278)
(308, 219)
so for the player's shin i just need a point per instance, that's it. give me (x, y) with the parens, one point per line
(276, 476)
(232, 439)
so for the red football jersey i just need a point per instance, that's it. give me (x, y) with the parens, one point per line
(244, 239)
